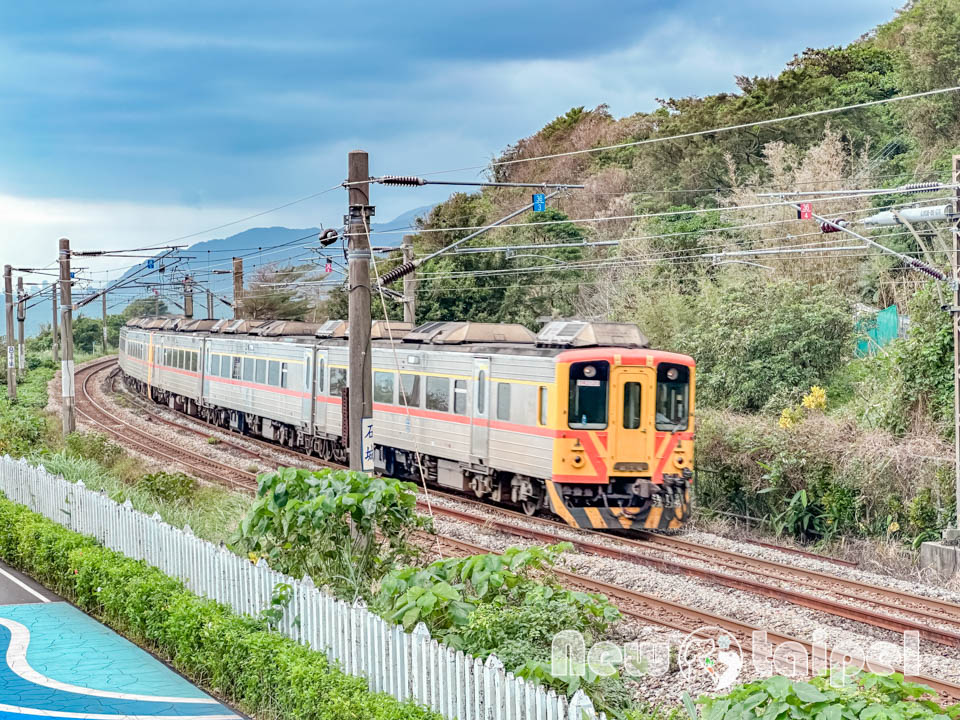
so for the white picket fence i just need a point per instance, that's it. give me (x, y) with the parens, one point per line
(404, 665)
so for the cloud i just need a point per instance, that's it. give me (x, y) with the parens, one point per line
(32, 227)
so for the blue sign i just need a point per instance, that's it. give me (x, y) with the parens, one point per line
(149, 264)
(72, 275)
(539, 202)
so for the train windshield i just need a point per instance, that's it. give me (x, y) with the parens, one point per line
(588, 395)
(673, 397)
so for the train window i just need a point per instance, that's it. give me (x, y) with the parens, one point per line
(213, 364)
(410, 387)
(338, 380)
(542, 400)
(194, 361)
(631, 405)
(249, 369)
(673, 397)
(481, 392)
(284, 374)
(307, 376)
(225, 363)
(261, 375)
(383, 387)
(273, 373)
(237, 370)
(587, 406)
(460, 397)
(438, 393)
(503, 401)
(321, 371)
(181, 363)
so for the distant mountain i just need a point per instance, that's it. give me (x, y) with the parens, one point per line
(257, 246)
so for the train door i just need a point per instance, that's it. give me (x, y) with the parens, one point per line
(480, 427)
(320, 391)
(632, 391)
(150, 365)
(306, 401)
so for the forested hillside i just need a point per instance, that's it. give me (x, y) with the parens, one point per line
(869, 444)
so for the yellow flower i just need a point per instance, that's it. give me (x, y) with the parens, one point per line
(816, 399)
(787, 420)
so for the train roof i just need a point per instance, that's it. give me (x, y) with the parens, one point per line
(573, 339)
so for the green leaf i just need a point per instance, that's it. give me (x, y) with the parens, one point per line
(808, 693)
(689, 706)
(410, 617)
(777, 686)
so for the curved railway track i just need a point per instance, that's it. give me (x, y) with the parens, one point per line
(148, 444)
(935, 620)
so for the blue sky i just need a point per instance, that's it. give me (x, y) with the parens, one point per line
(133, 122)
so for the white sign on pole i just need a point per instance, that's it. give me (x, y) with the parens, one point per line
(10, 356)
(366, 425)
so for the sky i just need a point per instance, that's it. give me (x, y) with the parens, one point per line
(125, 123)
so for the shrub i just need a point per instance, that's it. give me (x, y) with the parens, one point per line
(345, 529)
(445, 593)
(262, 672)
(93, 446)
(822, 476)
(755, 340)
(169, 487)
(830, 696)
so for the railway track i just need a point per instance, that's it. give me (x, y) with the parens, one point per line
(935, 620)
(148, 444)
(653, 610)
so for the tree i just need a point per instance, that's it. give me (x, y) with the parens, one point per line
(278, 293)
(143, 307)
(86, 333)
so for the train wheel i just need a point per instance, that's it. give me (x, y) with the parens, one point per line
(326, 450)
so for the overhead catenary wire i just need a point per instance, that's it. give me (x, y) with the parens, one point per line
(642, 216)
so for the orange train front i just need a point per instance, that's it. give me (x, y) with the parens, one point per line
(623, 455)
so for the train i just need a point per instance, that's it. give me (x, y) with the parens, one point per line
(582, 420)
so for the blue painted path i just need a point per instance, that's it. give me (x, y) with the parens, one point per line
(59, 663)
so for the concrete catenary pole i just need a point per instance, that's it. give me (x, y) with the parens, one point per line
(956, 335)
(103, 299)
(209, 304)
(187, 297)
(237, 287)
(55, 324)
(68, 397)
(360, 377)
(11, 349)
(21, 320)
(409, 283)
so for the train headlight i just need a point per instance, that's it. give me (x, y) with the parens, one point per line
(673, 374)
(577, 461)
(589, 371)
(679, 461)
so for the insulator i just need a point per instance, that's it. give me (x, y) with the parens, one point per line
(826, 227)
(397, 273)
(932, 272)
(402, 180)
(921, 187)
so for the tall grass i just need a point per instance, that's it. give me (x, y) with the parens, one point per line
(212, 513)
